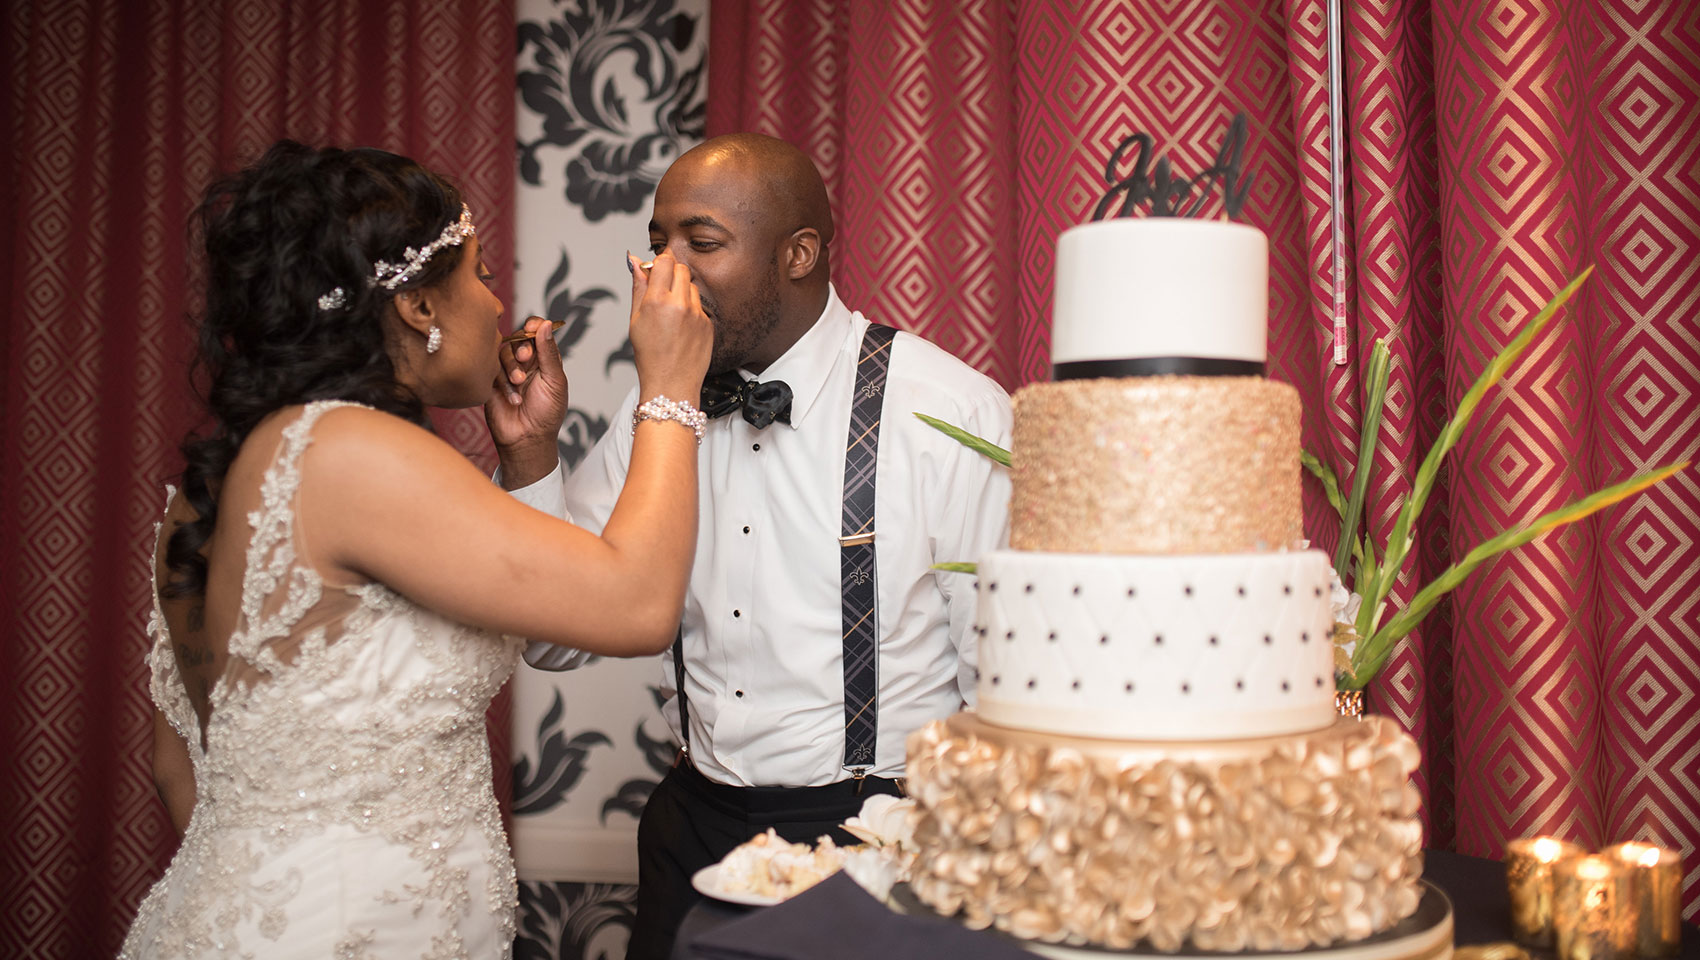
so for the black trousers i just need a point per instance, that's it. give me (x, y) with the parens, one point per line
(691, 822)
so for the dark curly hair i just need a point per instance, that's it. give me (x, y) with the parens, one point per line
(278, 235)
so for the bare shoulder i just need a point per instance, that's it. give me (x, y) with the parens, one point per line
(370, 463)
(178, 512)
(361, 437)
(342, 432)
(354, 422)
(369, 479)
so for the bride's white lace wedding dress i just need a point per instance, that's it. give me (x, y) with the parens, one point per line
(343, 799)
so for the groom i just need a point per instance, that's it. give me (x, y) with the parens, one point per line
(816, 635)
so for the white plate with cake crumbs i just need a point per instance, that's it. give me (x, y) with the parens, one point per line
(707, 882)
(767, 869)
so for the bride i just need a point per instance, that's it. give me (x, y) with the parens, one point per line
(338, 593)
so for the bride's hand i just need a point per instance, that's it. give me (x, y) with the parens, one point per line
(672, 337)
(527, 405)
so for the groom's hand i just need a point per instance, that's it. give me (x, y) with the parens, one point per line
(527, 405)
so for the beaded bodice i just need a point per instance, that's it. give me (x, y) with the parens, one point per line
(340, 706)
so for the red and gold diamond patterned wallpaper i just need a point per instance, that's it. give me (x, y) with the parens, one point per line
(117, 116)
(1495, 150)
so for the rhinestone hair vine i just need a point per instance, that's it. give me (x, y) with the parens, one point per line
(392, 275)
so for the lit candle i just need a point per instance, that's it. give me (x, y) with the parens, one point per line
(1593, 909)
(1656, 881)
(1528, 873)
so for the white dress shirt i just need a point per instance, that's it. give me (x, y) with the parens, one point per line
(762, 622)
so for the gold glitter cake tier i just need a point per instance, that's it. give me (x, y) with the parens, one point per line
(1279, 843)
(1156, 465)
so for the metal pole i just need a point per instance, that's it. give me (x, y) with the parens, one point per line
(1337, 177)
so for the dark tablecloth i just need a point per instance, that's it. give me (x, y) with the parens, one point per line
(836, 920)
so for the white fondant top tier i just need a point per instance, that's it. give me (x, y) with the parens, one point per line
(1161, 287)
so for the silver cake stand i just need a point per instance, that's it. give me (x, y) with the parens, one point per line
(1424, 935)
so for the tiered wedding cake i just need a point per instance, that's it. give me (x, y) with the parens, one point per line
(1156, 755)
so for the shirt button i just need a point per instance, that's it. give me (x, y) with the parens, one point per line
(746, 529)
(755, 446)
(739, 693)
(737, 613)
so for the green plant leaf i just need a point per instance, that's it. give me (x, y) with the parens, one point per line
(1330, 483)
(1331, 489)
(957, 567)
(1399, 541)
(967, 439)
(1366, 561)
(1371, 655)
(1380, 365)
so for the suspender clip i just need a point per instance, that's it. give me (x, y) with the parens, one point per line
(860, 775)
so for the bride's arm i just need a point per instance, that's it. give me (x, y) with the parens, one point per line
(388, 501)
(385, 500)
(173, 772)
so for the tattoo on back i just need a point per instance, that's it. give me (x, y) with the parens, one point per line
(193, 656)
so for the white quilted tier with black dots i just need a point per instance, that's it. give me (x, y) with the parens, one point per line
(1205, 647)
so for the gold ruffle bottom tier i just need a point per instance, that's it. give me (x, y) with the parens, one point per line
(1282, 843)
(1155, 465)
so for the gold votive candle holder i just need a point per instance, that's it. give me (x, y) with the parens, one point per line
(1594, 916)
(1349, 703)
(1656, 886)
(1528, 874)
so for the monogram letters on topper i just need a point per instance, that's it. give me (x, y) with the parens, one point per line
(1166, 191)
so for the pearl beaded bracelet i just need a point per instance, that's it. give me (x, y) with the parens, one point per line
(662, 408)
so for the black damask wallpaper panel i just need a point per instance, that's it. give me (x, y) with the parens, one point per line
(609, 79)
(574, 921)
(610, 92)
(618, 90)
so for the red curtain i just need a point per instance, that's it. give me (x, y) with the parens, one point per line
(118, 113)
(1493, 152)
(905, 107)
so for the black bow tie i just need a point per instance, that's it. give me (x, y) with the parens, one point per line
(763, 403)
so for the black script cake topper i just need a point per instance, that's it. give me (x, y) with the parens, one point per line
(1166, 191)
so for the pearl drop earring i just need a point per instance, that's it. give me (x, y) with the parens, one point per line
(434, 342)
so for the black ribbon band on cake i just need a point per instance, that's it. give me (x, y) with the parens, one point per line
(1156, 367)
